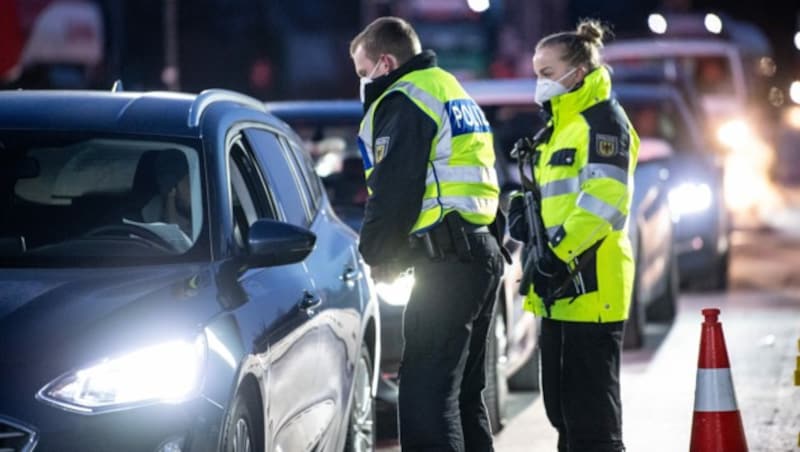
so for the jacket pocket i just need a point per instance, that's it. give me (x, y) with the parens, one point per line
(563, 157)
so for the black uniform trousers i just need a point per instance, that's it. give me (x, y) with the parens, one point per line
(443, 372)
(580, 384)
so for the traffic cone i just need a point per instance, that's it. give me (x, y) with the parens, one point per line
(717, 424)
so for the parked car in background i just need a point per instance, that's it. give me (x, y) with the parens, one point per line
(695, 182)
(174, 278)
(329, 129)
(510, 108)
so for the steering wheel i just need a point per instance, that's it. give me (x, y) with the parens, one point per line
(124, 229)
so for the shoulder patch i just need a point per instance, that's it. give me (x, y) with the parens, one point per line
(381, 148)
(607, 145)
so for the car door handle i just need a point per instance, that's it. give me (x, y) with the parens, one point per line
(310, 301)
(350, 274)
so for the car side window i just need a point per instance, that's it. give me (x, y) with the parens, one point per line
(249, 201)
(285, 179)
(312, 180)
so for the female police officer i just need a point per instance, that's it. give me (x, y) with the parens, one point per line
(581, 287)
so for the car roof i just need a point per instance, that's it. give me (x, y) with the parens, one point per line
(150, 113)
(655, 47)
(487, 93)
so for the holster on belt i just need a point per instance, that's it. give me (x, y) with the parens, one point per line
(447, 237)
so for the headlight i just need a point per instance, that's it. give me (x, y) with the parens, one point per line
(167, 372)
(689, 198)
(398, 292)
(735, 132)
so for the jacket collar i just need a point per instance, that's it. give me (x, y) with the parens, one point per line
(595, 88)
(423, 60)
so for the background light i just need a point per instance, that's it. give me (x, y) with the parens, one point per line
(713, 23)
(794, 91)
(797, 40)
(478, 6)
(657, 23)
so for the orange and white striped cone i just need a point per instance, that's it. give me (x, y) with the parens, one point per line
(717, 424)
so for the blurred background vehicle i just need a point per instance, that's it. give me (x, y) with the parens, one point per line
(694, 178)
(259, 328)
(510, 108)
(725, 66)
(329, 130)
(50, 43)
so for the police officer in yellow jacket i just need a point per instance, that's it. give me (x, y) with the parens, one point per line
(584, 163)
(429, 159)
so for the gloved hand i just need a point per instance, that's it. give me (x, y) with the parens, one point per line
(517, 223)
(522, 147)
(550, 274)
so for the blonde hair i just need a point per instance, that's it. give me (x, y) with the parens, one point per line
(582, 46)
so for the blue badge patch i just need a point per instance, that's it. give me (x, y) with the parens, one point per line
(466, 117)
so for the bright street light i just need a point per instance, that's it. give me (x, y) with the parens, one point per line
(478, 6)
(794, 91)
(713, 23)
(657, 23)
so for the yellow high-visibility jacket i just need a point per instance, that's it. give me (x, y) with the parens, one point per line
(585, 174)
(461, 175)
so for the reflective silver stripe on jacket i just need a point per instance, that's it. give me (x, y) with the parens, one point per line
(602, 209)
(604, 171)
(590, 171)
(561, 187)
(437, 107)
(483, 206)
(477, 174)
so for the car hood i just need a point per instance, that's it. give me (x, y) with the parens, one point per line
(72, 317)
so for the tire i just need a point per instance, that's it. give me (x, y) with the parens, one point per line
(526, 378)
(361, 426)
(496, 392)
(633, 336)
(244, 431)
(665, 307)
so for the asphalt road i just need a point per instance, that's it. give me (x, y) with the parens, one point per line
(761, 323)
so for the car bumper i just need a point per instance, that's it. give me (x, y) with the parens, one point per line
(193, 425)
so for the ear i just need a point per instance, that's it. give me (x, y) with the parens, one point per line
(392, 62)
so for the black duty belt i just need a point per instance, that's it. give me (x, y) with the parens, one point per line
(449, 237)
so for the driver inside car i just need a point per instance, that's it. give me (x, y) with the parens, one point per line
(169, 213)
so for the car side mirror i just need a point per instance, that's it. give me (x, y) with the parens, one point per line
(271, 243)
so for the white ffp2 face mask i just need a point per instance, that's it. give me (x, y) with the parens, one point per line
(364, 81)
(547, 89)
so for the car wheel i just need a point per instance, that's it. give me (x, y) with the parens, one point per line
(665, 307)
(496, 392)
(243, 432)
(361, 427)
(633, 336)
(526, 378)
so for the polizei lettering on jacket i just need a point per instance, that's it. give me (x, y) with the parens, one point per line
(466, 117)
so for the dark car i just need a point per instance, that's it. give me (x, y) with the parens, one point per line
(173, 278)
(329, 129)
(510, 108)
(695, 182)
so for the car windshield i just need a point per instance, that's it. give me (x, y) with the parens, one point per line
(654, 118)
(710, 74)
(74, 197)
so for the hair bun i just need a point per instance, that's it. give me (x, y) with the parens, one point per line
(592, 30)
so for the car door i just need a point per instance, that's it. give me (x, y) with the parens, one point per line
(310, 420)
(337, 273)
(285, 336)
